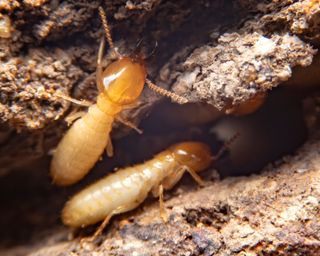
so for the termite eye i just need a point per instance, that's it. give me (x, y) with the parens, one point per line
(123, 80)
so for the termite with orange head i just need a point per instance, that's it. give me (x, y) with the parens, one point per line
(127, 188)
(119, 85)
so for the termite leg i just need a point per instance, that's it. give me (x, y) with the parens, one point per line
(195, 176)
(135, 104)
(225, 146)
(174, 97)
(123, 208)
(169, 182)
(173, 178)
(129, 124)
(74, 115)
(162, 208)
(99, 66)
(83, 103)
(109, 148)
(102, 225)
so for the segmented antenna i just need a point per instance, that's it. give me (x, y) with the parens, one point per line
(174, 97)
(225, 146)
(104, 21)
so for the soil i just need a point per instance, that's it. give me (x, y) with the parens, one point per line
(218, 54)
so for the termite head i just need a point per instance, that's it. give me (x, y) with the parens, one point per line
(249, 106)
(123, 80)
(195, 155)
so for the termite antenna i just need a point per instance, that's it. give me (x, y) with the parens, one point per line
(174, 97)
(104, 21)
(225, 146)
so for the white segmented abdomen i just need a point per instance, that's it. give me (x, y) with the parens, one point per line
(81, 147)
(126, 188)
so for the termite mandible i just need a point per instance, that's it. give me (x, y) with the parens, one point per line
(119, 85)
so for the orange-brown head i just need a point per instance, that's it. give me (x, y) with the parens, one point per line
(123, 80)
(196, 155)
(249, 106)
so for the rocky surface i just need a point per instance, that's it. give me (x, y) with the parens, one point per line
(275, 213)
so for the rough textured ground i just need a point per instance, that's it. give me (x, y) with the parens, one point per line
(216, 52)
(52, 48)
(275, 213)
(215, 75)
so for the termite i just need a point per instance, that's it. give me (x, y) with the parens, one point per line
(128, 188)
(119, 86)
